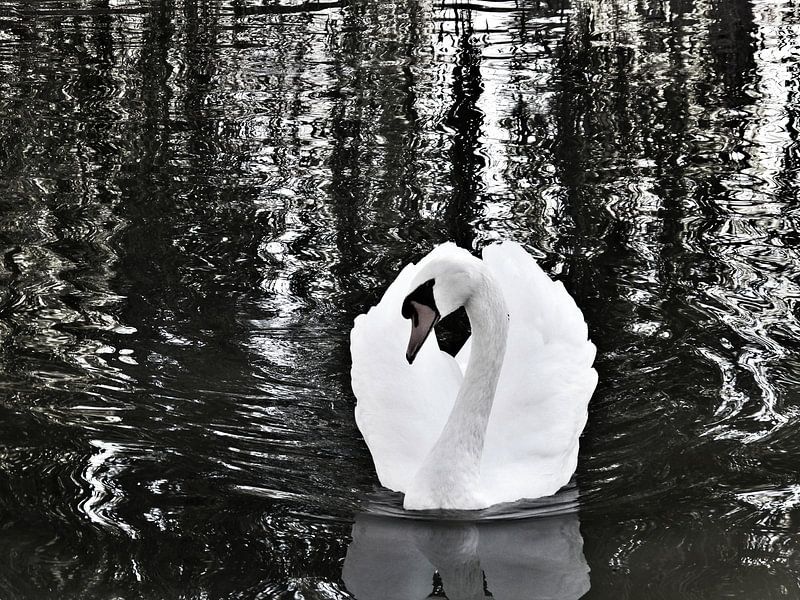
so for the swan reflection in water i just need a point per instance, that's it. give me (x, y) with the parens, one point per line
(508, 559)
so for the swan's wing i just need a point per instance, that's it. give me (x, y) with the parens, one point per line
(547, 379)
(400, 408)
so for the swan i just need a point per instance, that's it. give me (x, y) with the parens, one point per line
(498, 422)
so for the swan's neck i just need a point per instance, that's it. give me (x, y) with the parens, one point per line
(450, 475)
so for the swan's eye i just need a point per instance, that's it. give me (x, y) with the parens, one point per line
(422, 295)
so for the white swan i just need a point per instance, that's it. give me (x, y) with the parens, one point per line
(501, 420)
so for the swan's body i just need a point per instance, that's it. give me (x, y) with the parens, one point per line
(501, 420)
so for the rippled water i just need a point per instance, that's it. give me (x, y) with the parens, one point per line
(197, 198)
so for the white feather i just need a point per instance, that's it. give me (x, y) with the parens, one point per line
(540, 405)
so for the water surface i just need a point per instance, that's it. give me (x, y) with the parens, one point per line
(198, 197)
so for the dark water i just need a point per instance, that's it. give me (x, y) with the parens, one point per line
(197, 198)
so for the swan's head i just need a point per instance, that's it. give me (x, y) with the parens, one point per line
(443, 285)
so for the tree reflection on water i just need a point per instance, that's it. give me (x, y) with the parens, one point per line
(199, 196)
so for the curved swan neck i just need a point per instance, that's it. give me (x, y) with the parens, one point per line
(469, 418)
(450, 475)
(488, 318)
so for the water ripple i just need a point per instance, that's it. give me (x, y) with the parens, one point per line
(198, 198)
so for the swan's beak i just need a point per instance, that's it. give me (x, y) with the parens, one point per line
(423, 318)
(420, 307)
